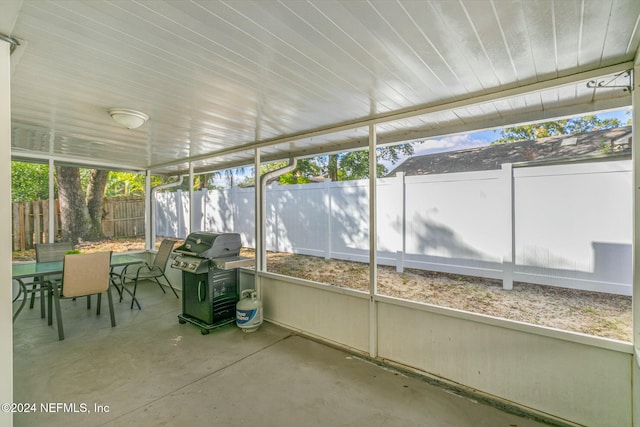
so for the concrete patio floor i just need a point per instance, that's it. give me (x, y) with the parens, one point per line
(150, 371)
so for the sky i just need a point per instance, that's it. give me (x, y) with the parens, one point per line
(454, 143)
(483, 138)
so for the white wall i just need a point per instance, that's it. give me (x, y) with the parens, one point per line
(561, 375)
(340, 317)
(583, 383)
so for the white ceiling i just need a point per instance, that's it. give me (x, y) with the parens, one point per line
(297, 77)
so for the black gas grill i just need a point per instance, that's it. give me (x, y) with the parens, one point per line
(209, 264)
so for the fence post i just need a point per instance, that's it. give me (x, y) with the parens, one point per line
(17, 230)
(327, 204)
(231, 204)
(28, 226)
(400, 187)
(179, 215)
(37, 230)
(46, 224)
(508, 259)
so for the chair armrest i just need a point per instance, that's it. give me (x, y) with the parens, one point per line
(125, 271)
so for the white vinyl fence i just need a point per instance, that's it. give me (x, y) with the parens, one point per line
(563, 225)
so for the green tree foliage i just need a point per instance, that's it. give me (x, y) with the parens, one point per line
(249, 181)
(29, 181)
(571, 126)
(230, 177)
(124, 184)
(80, 192)
(346, 166)
(127, 184)
(306, 169)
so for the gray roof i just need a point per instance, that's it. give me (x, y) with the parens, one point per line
(607, 144)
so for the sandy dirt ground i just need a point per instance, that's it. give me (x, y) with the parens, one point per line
(599, 314)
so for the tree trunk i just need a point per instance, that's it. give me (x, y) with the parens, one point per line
(74, 214)
(95, 197)
(332, 167)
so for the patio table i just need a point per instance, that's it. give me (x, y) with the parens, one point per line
(20, 272)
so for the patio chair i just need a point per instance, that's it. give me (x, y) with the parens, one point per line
(136, 272)
(83, 275)
(47, 252)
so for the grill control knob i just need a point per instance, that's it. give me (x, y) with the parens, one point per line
(183, 264)
(191, 266)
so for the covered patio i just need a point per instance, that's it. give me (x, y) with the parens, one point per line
(229, 84)
(151, 371)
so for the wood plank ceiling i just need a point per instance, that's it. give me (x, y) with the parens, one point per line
(218, 78)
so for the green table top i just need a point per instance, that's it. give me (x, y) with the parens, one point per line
(42, 268)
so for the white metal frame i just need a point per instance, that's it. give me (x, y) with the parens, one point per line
(373, 298)
(6, 307)
(636, 238)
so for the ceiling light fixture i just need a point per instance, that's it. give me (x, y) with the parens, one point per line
(131, 119)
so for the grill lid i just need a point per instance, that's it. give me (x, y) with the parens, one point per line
(204, 244)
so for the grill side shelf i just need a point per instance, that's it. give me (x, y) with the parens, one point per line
(229, 263)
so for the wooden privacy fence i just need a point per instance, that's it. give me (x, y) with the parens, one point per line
(121, 217)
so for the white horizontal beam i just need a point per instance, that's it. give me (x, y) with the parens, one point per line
(24, 155)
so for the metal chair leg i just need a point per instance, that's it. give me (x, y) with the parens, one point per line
(113, 317)
(34, 287)
(160, 284)
(56, 298)
(135, 287)
(49, 304)
(125, 289)
(21, 290)
(42, 293)
(172, 288)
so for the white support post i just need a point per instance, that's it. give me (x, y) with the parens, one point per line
(635, 102)
(373, 247)
(258, 210)
(508, 260)
(259, 222)
(6, 307)
(192, 214)
(52, 202)
(149, 220)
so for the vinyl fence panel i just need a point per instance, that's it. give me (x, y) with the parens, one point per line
(297, 219)
(565, 225)
(573, 225)
(455, 223)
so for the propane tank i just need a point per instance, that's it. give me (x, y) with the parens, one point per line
(249, 311)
